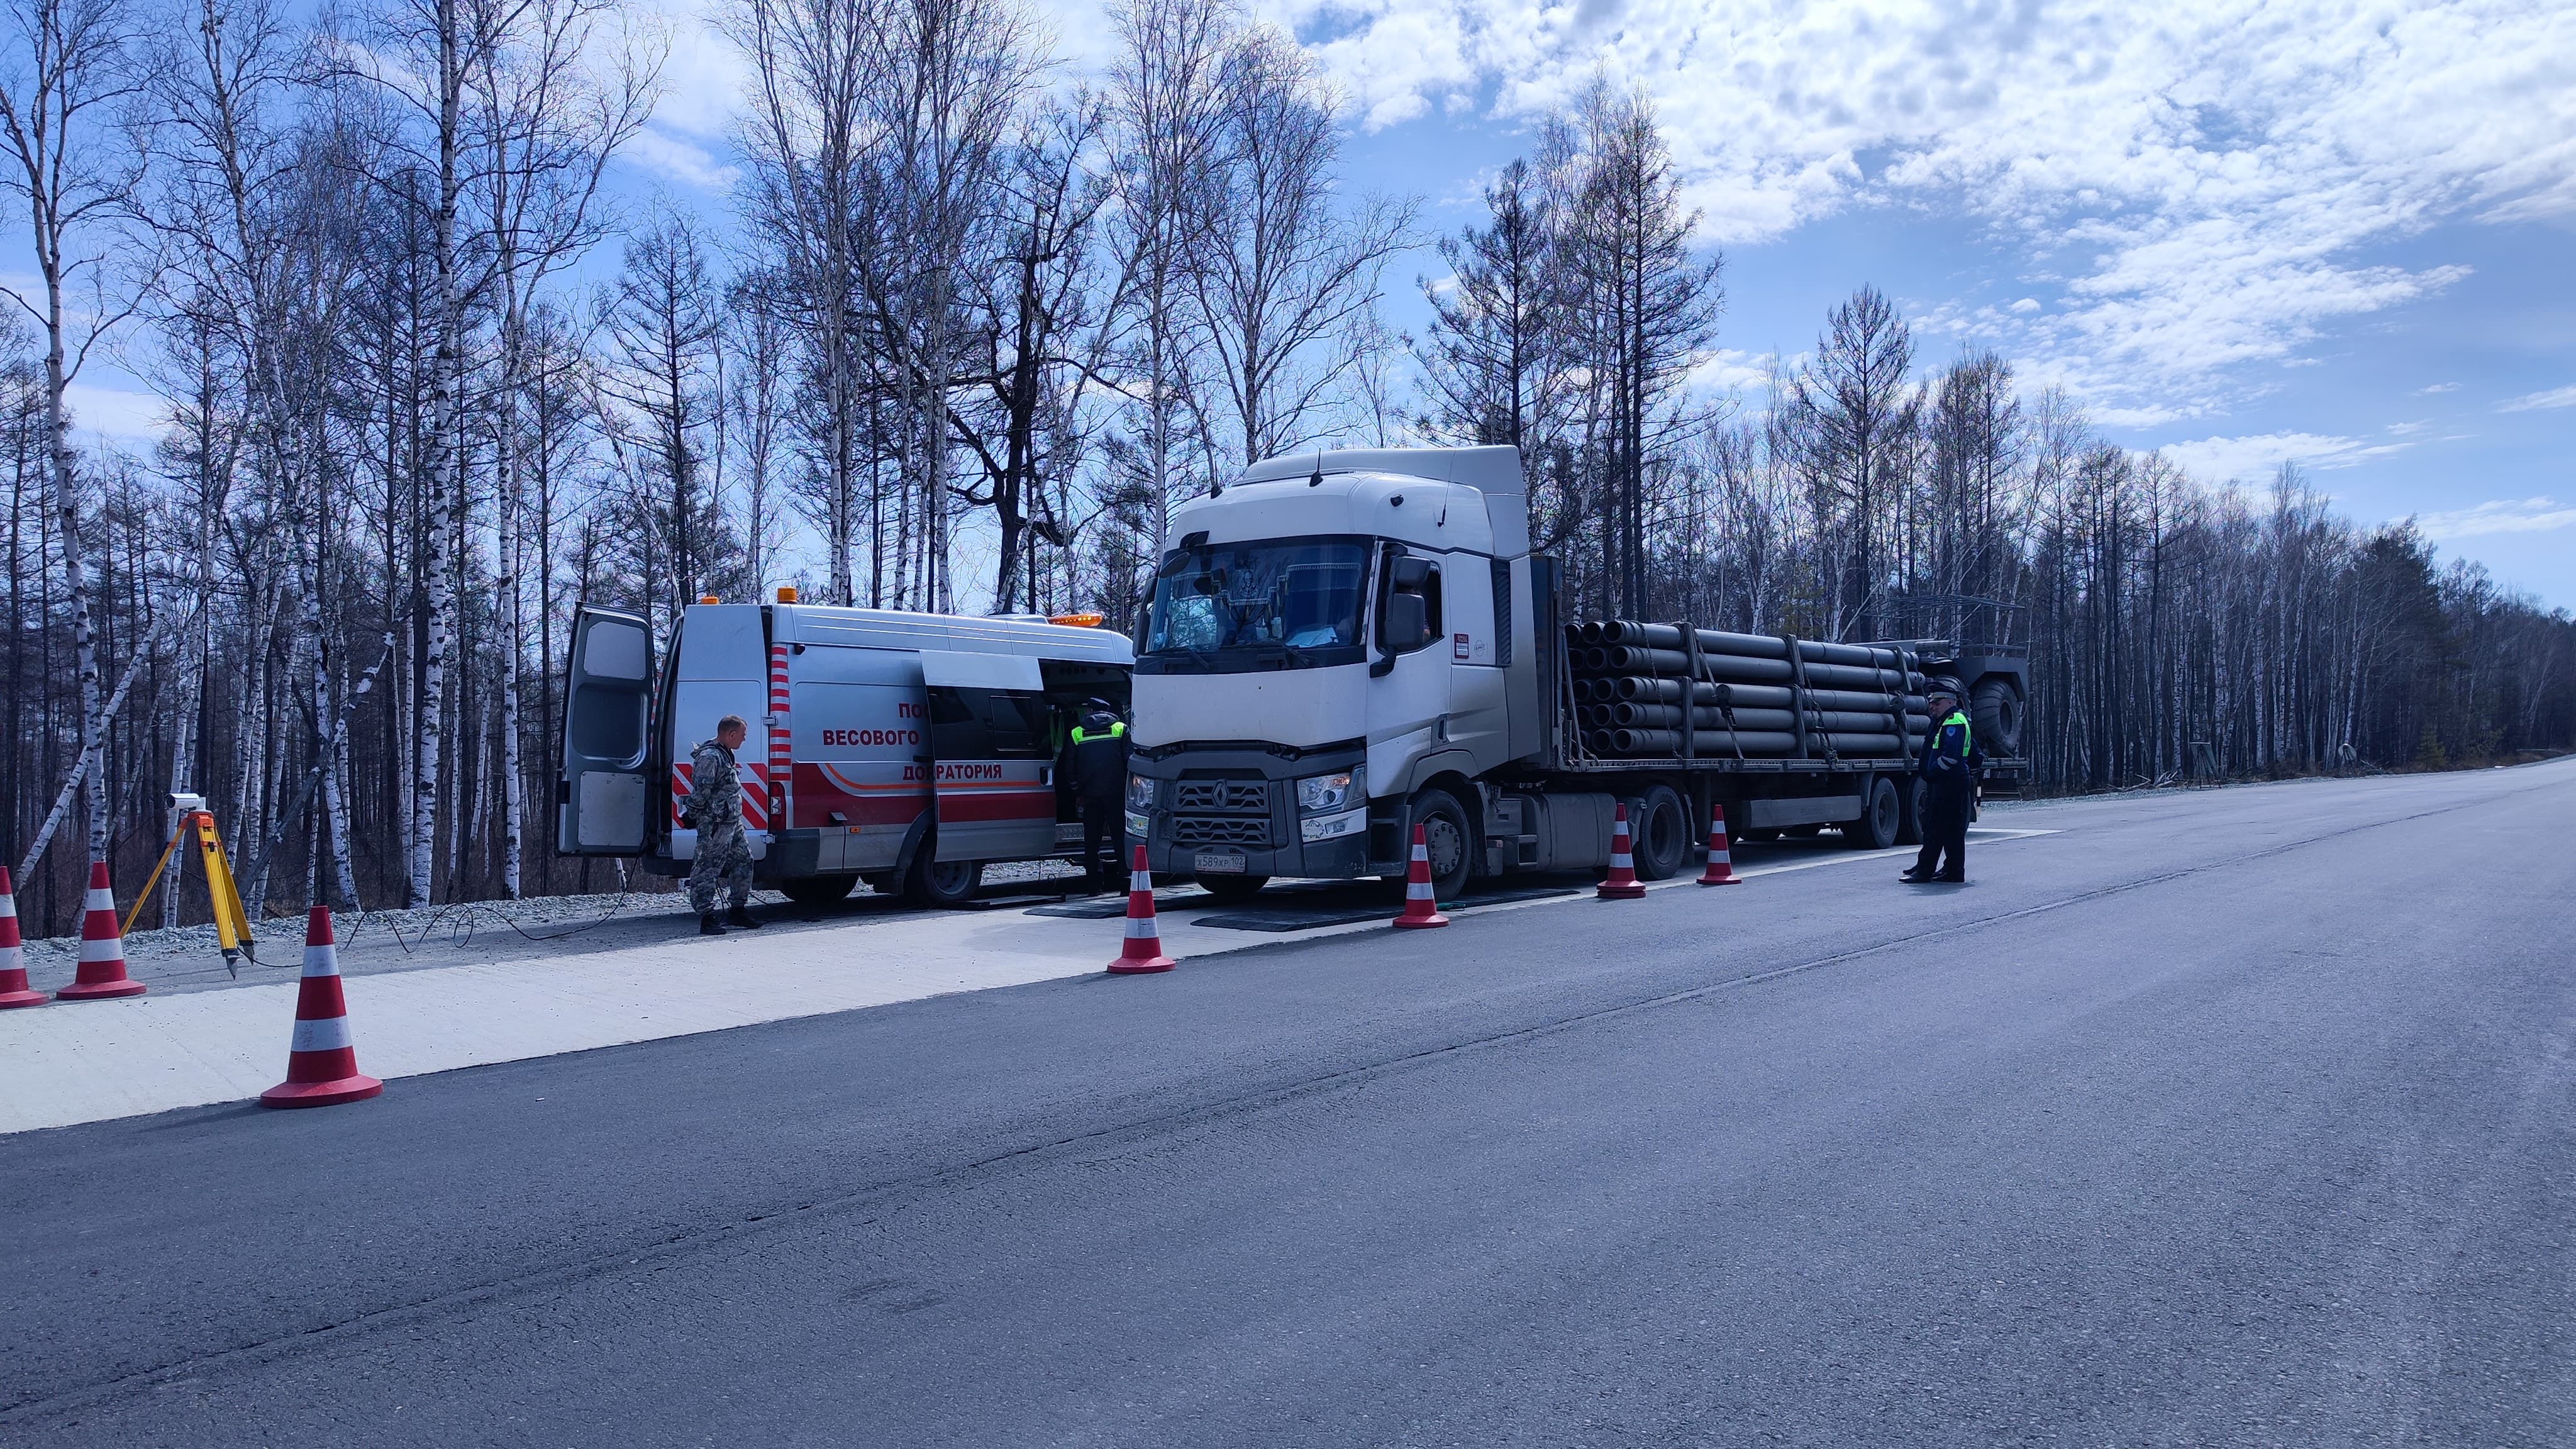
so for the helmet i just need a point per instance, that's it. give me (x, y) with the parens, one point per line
(1096, 702)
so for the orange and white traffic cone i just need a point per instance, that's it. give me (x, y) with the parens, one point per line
(1144, 949)
(1623, 884)
(13, 954)
(1721, 864)
(1421, 912)
(102, 963)
(321, 1065)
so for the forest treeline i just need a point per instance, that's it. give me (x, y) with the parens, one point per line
(960, 336)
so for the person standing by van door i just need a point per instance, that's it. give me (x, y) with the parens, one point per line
(723, 858)
(1095, 758)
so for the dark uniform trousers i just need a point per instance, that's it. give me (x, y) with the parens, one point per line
(1945, 831)
(1104, 819)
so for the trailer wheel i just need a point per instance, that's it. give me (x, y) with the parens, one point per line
(1659, 834)
(817, 890)
(1909, 823)
(1995, 712)
(1444, 837)
(944, 884)
(1879, 820)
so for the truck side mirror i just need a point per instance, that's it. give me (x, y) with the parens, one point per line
(1408, 622)
(1411, 574)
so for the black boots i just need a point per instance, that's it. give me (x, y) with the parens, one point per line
(741, 916)
(707, 924)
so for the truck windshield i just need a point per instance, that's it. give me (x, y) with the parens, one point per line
(1275, 604)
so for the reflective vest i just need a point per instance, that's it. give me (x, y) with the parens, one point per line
(1116, 731)
(1959, 718)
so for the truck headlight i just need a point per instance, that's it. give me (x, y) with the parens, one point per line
(1139, 829)
(1318, 793)
(1140, 793)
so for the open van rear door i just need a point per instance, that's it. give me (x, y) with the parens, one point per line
(992, 753)
(599, 760)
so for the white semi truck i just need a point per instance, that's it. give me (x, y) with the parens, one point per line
(906, 750)
(1342, 645)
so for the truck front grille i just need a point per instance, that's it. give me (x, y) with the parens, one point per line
(1223, 796)
(1221, 830)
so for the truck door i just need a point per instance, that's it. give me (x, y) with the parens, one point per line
(1414, 654)
(992, 756)
(599, 758)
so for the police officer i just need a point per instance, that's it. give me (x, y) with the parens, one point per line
(723, 856)
(1949, 768)
(1095, 761)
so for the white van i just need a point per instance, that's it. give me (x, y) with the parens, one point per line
(906, 750)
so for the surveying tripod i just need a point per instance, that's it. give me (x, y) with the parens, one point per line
(232, 925)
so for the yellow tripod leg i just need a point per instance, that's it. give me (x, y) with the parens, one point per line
(219, 892)
(154, 879)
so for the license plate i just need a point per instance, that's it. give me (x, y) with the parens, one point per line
(1218, 864)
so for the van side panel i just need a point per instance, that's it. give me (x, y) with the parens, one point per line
(859, 734)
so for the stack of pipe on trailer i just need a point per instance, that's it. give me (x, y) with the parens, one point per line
(1747, 699)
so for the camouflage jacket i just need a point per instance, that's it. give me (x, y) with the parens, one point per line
(715, 790)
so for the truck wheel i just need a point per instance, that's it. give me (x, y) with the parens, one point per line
(1879, 820)
(817, 890)
(1232, 889)
(1444, 836)
(1995, 713)
(1909, 821)
(944, 884)
(1659, 833)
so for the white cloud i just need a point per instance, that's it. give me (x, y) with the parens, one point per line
(117, 414)
(2208, 178)
(2525, 515)
(678, 159)
(2440, 387)
(2253, 459)
(2562, 397)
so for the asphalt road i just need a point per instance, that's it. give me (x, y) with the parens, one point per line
(2234, 1118)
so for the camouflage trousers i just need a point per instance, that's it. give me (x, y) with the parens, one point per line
(723, 862)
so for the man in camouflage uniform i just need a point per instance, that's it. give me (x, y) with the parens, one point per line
(723, 856)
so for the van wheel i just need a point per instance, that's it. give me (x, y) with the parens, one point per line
(945, 884)
(1232, 889)
(1876, 828)
(1444, 838)
(1659, 834)
(817, 890)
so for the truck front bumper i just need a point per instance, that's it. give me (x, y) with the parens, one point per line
(1231, 810)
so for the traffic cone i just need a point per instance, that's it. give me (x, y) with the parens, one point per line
(102, 964)
(13, 954)
(1144, 949)
(1421, 912)
(321, 1066)
(1721, 865)
(1623, 884)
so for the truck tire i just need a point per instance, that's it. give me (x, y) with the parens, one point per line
(1232, 889)
(1445, 837)
(1909, 824)
(1659, 833)
(1995, 712)
(1880, 818)
(817, 890)
(944, 886)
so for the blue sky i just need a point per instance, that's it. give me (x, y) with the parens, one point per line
(2244, 231)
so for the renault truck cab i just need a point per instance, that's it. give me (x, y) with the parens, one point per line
(1330, 652)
